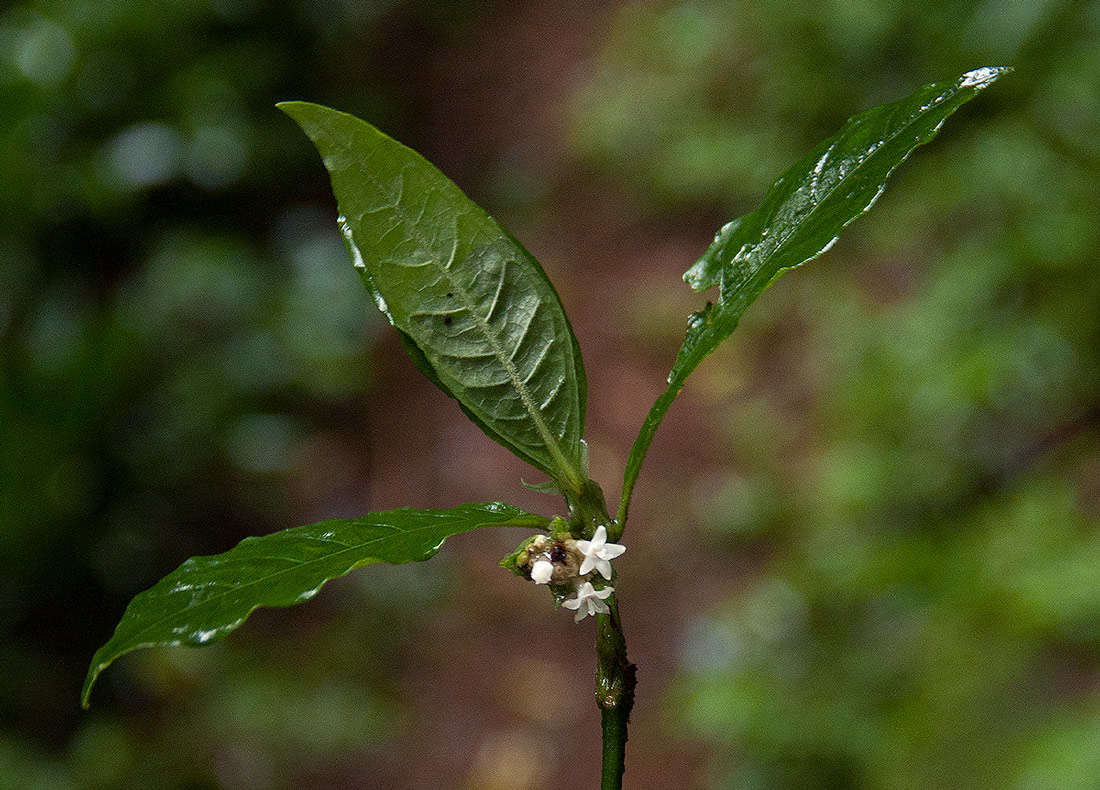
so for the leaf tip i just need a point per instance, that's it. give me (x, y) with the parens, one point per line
(292, 108)
(89, 681)
(983, 77)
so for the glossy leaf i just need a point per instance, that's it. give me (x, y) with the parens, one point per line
(801, 217)
(207, 597)
(475, 309)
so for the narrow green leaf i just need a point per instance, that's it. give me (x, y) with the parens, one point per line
(207, 597)
(801, 217)
(475, 309)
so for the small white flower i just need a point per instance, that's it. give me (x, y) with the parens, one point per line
(542, 571)
(588, 601)
(598, 553)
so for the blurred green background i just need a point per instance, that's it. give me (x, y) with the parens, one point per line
(866, 547)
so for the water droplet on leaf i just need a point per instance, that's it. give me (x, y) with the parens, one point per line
(979, 77)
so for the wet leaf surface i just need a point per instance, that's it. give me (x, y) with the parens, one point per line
(475, 309)
(207, 597)
(801, 218)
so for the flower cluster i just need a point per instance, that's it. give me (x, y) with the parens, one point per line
(564, 561)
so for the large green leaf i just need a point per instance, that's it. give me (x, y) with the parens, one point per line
(488, 325)
(207, 597)
(801, 217)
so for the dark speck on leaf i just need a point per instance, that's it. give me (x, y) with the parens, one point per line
(450, 295)
(447, 319)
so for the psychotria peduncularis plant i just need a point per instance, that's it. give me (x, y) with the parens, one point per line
(479, 317)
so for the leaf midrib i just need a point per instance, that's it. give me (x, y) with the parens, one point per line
(548, 438)
(513, 373)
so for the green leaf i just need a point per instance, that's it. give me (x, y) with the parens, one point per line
(475, 309)
(207, 597)
(801, 217)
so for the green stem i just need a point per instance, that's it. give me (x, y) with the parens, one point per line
(615, 675)
(615, 682)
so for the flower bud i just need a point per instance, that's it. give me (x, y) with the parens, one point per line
(542, 571)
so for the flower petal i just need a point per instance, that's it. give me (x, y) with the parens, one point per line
(611, 550)
(604, 593)
(589, 563)
(604, 567)
(580, 615)
(599, 538)
(571, 603)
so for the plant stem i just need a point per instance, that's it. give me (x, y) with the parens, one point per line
(616, 677)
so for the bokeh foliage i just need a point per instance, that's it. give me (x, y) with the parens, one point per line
(929, 612)
(173, 325)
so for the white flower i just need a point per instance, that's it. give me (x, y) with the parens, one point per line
(588, 601)
(598, 553)
(542, 571)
